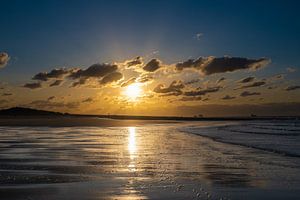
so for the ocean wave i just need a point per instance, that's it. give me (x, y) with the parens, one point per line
(279, 141)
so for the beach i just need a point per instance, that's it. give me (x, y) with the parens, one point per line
(151, 160)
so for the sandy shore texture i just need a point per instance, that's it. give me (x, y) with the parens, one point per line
(149, 161)
(70, 121)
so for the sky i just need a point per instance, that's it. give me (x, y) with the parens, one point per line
(183, 58)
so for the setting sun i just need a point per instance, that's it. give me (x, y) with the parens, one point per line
(133, 91)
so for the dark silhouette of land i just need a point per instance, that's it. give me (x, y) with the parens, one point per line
(20, 111)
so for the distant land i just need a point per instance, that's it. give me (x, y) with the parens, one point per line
(20, 111)
(29, 112)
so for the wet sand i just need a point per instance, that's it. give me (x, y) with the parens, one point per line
(153, 161)
(70, 121)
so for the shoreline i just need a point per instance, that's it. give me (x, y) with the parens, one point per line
(73, 121)
(117, 120)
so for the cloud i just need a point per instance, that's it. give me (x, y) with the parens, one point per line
(112, 77)
(135, 62)
(51, 104)
(255, 84)
(94, 71)
(247, 80)
(33, 85)
(200, 92)
(196, 98)
(269, 109)
(4, 58)
(227, 97)
(95, 74)
(212, 65)
(199, 35)
(51, 98)
(81, 81)
(190, 63)
(221, 80)
(56, 83)
(173, 89)
(294, 87)
(88, 100)
(291, 69)
(279, 76)
(128, 82)
(101, 73)
(55, 73)
(192, 81)
(3, 101)
(152, 65)
(144, 78)
(7, 94)
(246, 94)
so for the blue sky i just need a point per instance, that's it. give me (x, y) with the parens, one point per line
(40, 35)
(71, 36)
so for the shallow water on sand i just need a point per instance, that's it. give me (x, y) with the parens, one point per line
(148, 162)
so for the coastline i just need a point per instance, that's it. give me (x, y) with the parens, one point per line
(72, 121)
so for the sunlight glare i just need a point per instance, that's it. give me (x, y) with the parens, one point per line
(131, 142)
(133, 91)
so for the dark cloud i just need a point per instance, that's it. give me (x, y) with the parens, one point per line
(191, 63)
(247, 80)
(81, 81)
(88, 100)
(33, 85)
(255, 84)
(7, 94)
(279, 76)
(192, 81)
(56, 83)
(173, 89)
(51, 98)
(212, 65)
(112, 77)
(128, 82)
(135, 62)
(55, 73)
(227, 97)
(152, 65)
(294, 87)
(94, 71)
(246, 94)
(104, 73)
(196, 98)
(200, 92)
(230, 64)
(221, 80)
(145, 78)
(4, 58)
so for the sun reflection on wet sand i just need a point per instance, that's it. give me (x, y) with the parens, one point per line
(131, 142)
(132, 148)
(145, 162)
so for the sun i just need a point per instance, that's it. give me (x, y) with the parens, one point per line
(133, 91)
